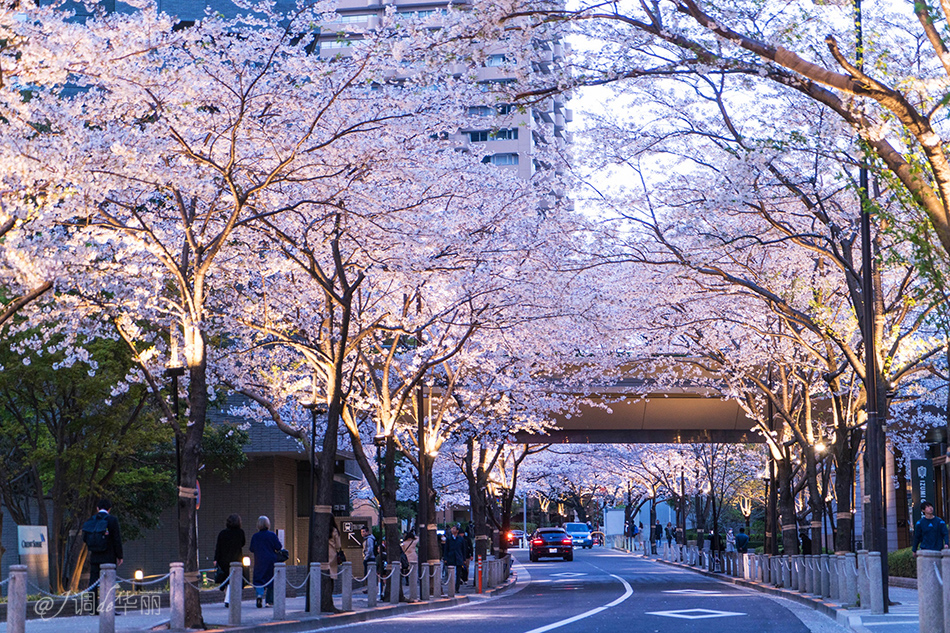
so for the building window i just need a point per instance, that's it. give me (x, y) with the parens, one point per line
(478, 136)
(480, 111)
(505, 134)
(504, 108)
(501, 160)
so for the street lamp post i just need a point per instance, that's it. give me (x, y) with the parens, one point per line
(313, 407)
(175, 371)
(874, 435)
(380, 441)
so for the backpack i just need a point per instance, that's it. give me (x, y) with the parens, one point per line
(95, 533)
(375, 547)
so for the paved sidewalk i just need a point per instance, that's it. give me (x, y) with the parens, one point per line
(141, 618)
(901, 617)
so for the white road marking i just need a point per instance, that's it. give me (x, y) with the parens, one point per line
(628, 591)
(569, 574)
(889, 623)
(695, 614)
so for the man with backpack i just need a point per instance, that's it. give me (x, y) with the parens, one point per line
(104, 542)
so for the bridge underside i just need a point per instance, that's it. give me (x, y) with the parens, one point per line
(672, 418)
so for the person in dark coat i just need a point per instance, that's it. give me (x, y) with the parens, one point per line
(454, 554)
(113, 551)
(264, 545)
(228, 549)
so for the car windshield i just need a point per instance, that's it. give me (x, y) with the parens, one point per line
(576, 527)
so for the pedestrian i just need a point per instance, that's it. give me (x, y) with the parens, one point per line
(657, 536)
(670, 532)
(730, 541)
(335, 550)
(369, 550)
(742, 542)
(409, 555)
(806, 542)
(930, 532)
(469, 553)
(229, 548)
(640, 538)
(103, 539)
(265, 546)
(453, 554)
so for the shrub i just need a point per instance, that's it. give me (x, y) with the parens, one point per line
(902, 563)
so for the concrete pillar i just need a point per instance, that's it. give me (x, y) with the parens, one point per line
(16, 599)
(809, 575)
(875, 587)
(929, 591)
(395, 583)
(802, 572)
(825, 576)
(413, 582)
(316, 579)
(107, 598)
(425, 594)
(176, 595)
(944, 574)
(280, 591)
(787, 572)
(851, 578)
(450, 590)
(842, 579)
(864, 597)
(834, 586)
(235, 589)
(346, 585)
(372, 586)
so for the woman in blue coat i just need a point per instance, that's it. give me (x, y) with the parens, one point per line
(264, 545)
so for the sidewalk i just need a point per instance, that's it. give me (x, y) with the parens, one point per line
(902, 617)
(144, 617)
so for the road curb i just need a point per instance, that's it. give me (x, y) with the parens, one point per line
(388, 611)
(840, 615)
(326, 621)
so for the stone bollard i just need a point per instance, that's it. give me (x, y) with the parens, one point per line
(426, 578)
(929, 591)
(107, 598)
(824, 576)
(372, 586)
(395, 582)
(346, 585)
(280, 591)
(851, 579)
(795, 568)
(450, 581)
(799, 581)
(944, 573)
(775, 571)
(842, 579)
(16, 599)
(315, 578)
(834, 585)
(875, 587)
(809, 575)
(413, 582)
(787, 572)
(176, 596)
(862, 579)
(235, 589)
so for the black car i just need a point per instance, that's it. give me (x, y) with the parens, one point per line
(551, 542)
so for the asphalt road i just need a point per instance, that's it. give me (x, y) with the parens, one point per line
(604, 591)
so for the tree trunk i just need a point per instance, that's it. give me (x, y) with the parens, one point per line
(844, 485)
(323, 496)
(786, 500)
(190, 462)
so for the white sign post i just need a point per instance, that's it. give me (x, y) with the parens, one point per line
(33, 547)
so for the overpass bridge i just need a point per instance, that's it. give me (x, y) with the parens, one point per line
(635, 414)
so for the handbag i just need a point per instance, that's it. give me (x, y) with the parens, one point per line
(340, 557)
(282, 556)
